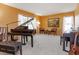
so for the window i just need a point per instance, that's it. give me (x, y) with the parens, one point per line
(31, 25)
(21, 19)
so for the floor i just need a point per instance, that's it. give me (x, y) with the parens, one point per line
(43, 45)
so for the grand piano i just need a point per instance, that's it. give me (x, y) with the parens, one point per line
(24, 32)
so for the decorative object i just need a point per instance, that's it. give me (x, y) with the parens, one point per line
(53, 22)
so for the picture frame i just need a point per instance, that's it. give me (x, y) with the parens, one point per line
(53, 22)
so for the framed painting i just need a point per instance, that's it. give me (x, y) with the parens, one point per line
(53, 22)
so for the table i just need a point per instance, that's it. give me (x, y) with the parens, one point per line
(68, 37)
(11, 47)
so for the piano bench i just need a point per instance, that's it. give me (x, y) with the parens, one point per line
(11, 47)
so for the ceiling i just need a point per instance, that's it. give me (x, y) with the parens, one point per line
(43, 9)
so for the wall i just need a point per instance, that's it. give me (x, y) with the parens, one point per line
(44, 20)
(9, 14)
(38, 19)
(77, 17)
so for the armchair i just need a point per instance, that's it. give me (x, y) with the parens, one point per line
(54, 30)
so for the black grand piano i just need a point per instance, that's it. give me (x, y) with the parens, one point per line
(24, 32)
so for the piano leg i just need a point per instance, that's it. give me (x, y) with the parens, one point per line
(31, 41)
(12, 37)
(26, 38)
(64, 44)
(23, 40)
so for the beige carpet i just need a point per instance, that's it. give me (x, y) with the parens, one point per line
(43, 45)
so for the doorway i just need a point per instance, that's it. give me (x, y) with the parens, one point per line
(68, 24)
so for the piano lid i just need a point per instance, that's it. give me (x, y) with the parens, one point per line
(25, 23)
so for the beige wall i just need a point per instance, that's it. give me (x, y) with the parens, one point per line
(9, 14)
(77, 17)
(44, 20)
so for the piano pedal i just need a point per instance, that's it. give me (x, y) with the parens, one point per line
(23, 43)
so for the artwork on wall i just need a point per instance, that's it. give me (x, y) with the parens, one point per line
(53, 22)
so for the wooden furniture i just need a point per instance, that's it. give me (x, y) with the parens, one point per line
(61, 40)
(3, 33)
(23, 35)
(11, 47)
(22, 31)
(54, 30)
(42, 31)
(74, 50)
(68, 37)
(47, 32)
(1, 37)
